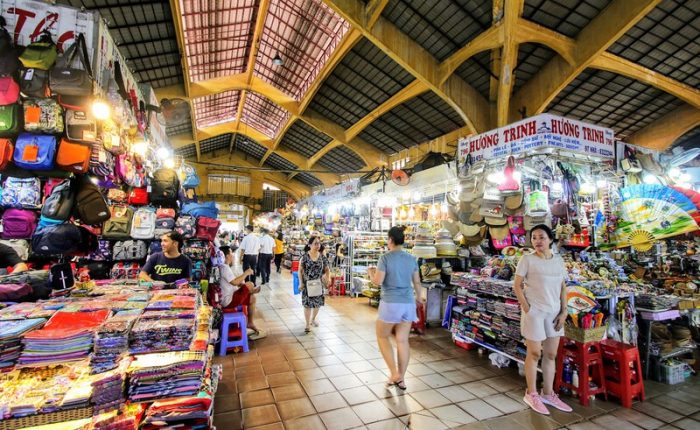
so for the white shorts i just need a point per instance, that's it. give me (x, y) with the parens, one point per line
(538, 326)
(395, 313)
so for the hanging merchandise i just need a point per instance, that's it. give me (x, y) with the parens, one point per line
(41, 54)
(10, 120)
(35, 152)
(66, 80)
(9, 91)
(165, 187)
(59, 204)
(34, 83)
(90, 205)
(73, 157)
(81, 126)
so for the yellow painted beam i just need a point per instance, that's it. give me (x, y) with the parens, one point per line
(373, 11)
(278, 139)
(412, 90)
(613, 63)
(325, 150)
(529, 32)
(490, 39)
(509, 58)
(661, 134)
(610, 24)
(464, 99)
(176, 12)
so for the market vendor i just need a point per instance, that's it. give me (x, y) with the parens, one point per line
(10, 259)
(169, 265)
(235, 291)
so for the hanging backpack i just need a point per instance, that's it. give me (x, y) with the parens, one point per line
(164, 188)
(130, 171)
(9, 59)
(187, 195)
(207, 228)
(91, 206)
(73, 157)
(18, 224)
(20, 246)
(125, 271)
(81, 126)
(35, 152)
(10, 120)
(196, 249)
(43, 116)
(191, 179)
(59, 204)
(207, 209)
(186, 225)
(101, 162)
(103, 251)
(41, 54)
(129, 250)
(60, 239)
(119, 224)
(115, 195)
(9, 91)
(34, 83)
(70, 81)
(61, 276)
(155, 247)
(165, 213)
(164, 226)
(143, 226)
(49, 185)
(7, 150)
(199, 271)
(22, 193)
(138, 196)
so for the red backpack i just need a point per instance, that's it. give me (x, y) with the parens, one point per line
(207, 228)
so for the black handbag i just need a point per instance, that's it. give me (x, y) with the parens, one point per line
(66, 80)
(34, 82)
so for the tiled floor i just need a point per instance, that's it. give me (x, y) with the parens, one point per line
(334, 378)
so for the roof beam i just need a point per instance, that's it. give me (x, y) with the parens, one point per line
(463, 98)
(373, 10)
(614, 21)
(492, 38)
(613, 63)
(512, 9)
(176, 13)
(529, 32)
(661, 134)
(412, 90)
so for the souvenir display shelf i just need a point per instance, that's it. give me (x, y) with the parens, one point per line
(364, 250)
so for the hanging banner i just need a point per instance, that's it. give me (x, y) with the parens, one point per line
(541, 131)
(339, 192)
(27, 19)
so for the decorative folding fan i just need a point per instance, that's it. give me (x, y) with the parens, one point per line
(650, 212)
(694, 197)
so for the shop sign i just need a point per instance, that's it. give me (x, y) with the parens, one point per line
(27, 19)
(541, 131)
(341, 191)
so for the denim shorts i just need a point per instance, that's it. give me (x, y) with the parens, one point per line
(394, 313)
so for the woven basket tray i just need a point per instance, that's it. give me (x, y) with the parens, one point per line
(585, 335)
(43, 419)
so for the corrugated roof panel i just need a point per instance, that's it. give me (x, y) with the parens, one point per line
(364, 79)
(180, 128)
(614, 101)
(564, 16)
(308, 179)
(689, 140)
(666, 41)
(276, 162)
(531, 58)
(304, 139)
(342, 159)
(217, 36)
(476, 71)
(188, 151)
(304, 33)
(222, 141)
(440, 26)
(263, 115)
(249, 147)
(216, 109)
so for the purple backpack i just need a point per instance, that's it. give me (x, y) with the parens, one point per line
(103, 251)
(18, 224)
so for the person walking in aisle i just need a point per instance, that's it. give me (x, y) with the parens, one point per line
(249, 249)
(397, 274)
(279, 251)
(267, 246)
(543, 302)
(313, 273)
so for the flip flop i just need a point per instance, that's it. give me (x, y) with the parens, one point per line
(307, 330)
(258, 334)
(401, 385)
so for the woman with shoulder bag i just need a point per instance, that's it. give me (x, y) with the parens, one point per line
(314, 273)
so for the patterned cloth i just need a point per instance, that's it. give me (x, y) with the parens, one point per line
(312, 270)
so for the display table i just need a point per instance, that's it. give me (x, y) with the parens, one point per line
(647, 317)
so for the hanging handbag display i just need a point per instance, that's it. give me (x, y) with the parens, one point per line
(81, 126)
(7, 149)
(73, 157)
(35, 152)
(10, 120)
(41, 54)
(43, 116)
(34, 83)
(9, 91)
(70, 81)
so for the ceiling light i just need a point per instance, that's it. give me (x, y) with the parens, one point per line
(100, 110)
(278, 61)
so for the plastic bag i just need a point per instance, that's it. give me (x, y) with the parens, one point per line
(499, 360)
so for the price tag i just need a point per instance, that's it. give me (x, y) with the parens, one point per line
(30, 153)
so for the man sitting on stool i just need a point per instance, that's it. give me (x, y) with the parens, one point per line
(236, 292)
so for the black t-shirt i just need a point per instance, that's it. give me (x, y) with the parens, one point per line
(8, 257)
(161, 268)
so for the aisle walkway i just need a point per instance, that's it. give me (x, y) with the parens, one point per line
(334, 379)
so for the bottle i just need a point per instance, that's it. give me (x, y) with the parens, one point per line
(574, 381)
(566, 374)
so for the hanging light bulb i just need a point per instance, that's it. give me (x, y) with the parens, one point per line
(556, 186)
(587, 188)
(100, 110)
(443, 208)
(141, 147)
(402, 213)
(169, 163)
(411, 213)
(517, 176)
(162, 153)
(417, 196)
(674, 172)
(601, 183)
(278, 61)
(433, 211)
(494, 177)
(650, 179)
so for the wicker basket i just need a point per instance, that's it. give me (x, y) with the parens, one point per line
(585, 335)
(43, 419)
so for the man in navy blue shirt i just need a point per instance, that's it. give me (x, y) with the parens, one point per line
(169, 265)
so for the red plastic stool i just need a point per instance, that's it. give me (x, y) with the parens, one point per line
(589, 359)
(623, 371)
(337, 286)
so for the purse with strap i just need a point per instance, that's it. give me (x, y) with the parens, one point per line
(314, 288)
(69, 81)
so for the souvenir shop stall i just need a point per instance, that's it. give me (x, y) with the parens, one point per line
(629, 247)
(88, 188)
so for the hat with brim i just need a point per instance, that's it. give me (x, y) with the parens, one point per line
(450, 226)
(476, 204)
(514, 202)
(499, 233)
(495, 221)
(475, 218)
(531, 221)
(470, 230)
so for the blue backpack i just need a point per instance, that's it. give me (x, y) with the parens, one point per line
(35, 152)
(191, 178)
(207, 209)
(199, 271)
(21, 193)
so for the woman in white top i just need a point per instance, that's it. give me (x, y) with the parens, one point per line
(543, 303)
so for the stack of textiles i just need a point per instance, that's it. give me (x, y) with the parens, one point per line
(112, 341)
(162, 376)
(108, 388)
(11, 333)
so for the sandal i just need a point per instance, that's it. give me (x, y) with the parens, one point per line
(401, 385)
(307, 330)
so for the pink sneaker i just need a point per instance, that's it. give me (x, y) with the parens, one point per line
(534, 401)
(554, 400)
